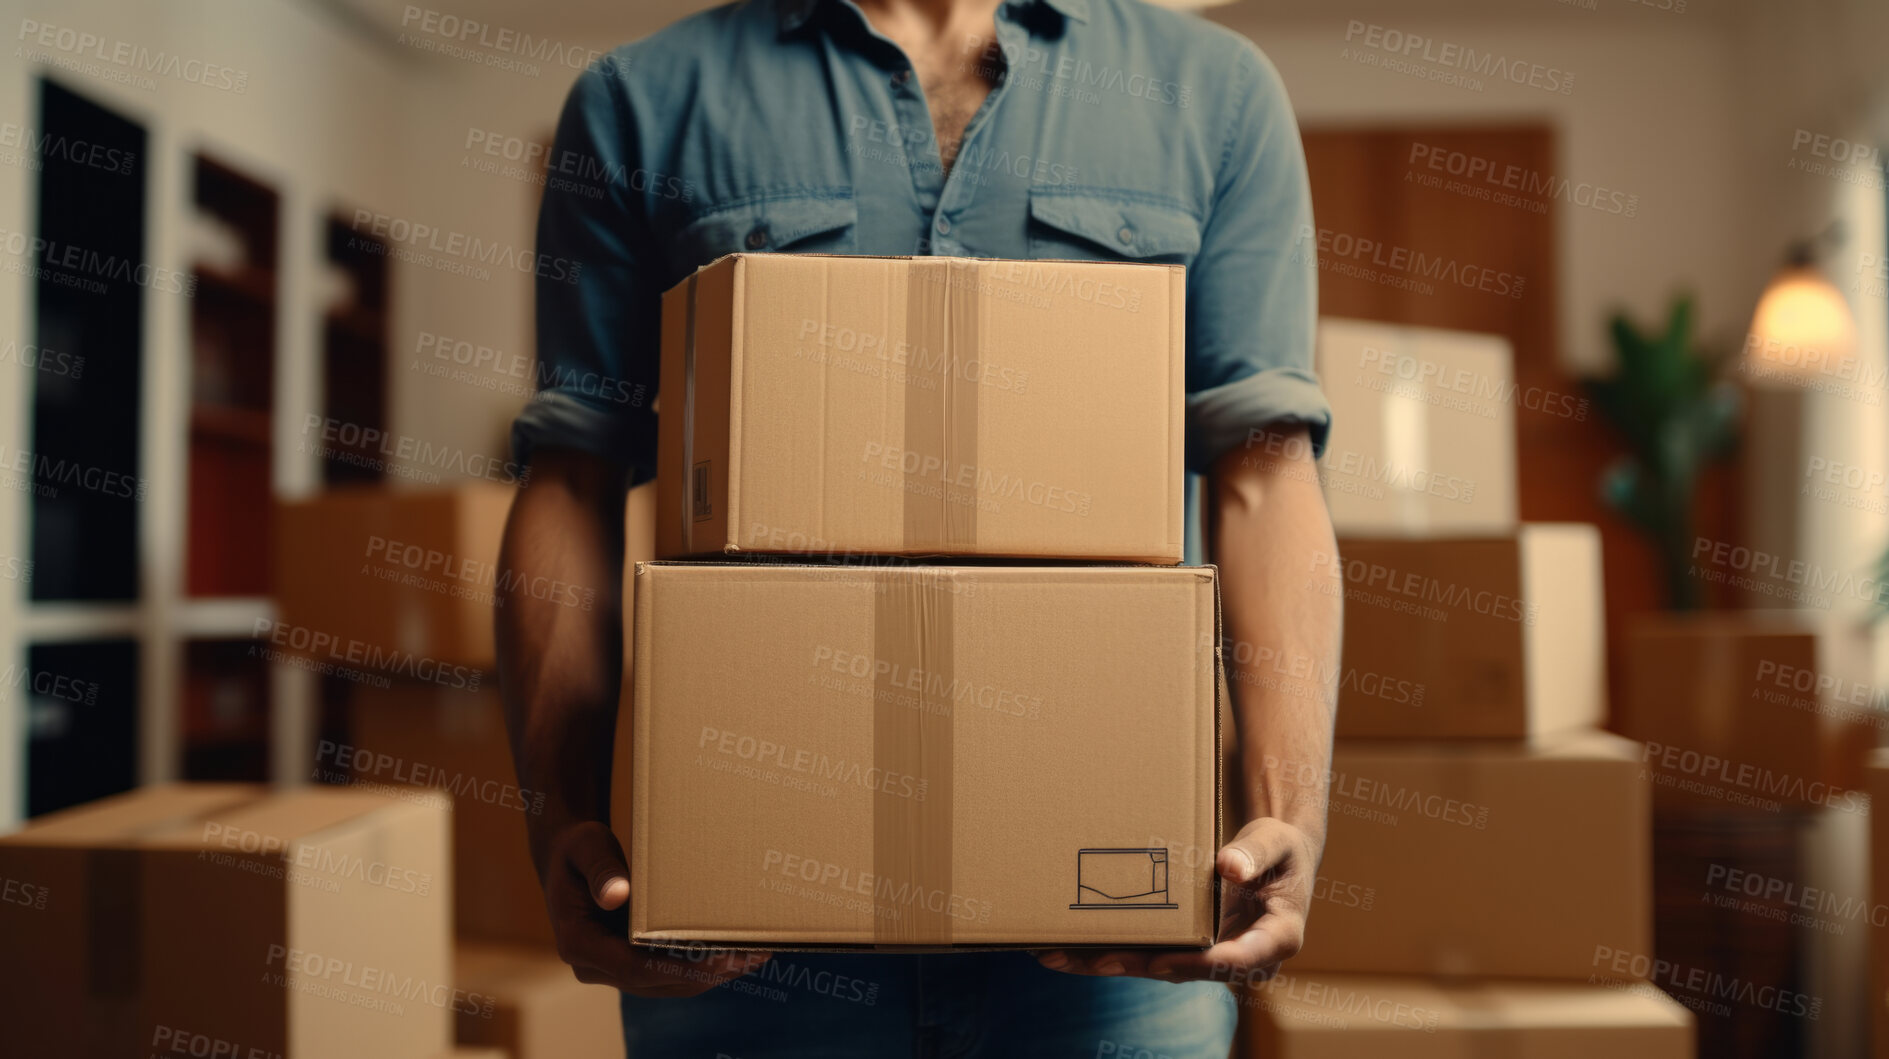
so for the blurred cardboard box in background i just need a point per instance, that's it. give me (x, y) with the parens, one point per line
(1787, 694)
(538, 1009)
(1876, 782)
(414, 573)
(309, 923)
(1316, 1015)
(1492, 860)
(451, 745)
(1423, 429)
(1504, 634)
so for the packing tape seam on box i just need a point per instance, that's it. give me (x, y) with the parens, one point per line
(942, 517)
(913, 629)
(114, 914)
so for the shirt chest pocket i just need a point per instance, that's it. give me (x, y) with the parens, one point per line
(1092, 226)
(803, 224)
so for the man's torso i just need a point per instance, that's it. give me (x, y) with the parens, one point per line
(762, 132)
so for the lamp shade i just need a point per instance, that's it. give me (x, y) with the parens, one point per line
(1802, 329)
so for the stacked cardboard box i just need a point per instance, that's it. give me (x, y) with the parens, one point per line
(1781, 703)
(876, 741)
(369, 569)
(223, 920)
(535, 1009)
(1424, 438)
(418, 574)
(1488, 867)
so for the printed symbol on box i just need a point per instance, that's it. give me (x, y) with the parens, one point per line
(1122, 878)
(703, 510)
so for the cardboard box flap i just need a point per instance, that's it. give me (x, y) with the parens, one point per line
(125, 819)
(302, 815)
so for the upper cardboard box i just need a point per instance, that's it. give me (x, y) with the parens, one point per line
(923, 406)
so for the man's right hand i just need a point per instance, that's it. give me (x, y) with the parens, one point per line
(587, 891)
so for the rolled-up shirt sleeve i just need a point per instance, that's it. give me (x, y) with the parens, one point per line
(598, 310)
(1252, 298)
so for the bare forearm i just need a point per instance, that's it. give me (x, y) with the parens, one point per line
(561, 654)
(1282, 595)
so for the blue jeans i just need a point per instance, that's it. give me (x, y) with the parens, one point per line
(952, 1006)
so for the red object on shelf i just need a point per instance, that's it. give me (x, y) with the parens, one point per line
(231, 514)
(231, 469)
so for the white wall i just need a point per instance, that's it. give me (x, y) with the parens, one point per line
(1648, 115)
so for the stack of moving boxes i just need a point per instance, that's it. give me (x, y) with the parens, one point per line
(1758, 726)
(1486, 886)
(214, 919)
(416, 574)
(852, 724)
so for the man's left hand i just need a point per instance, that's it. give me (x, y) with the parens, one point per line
(1269, 869)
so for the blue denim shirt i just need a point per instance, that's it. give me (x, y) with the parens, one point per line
(1119, 131)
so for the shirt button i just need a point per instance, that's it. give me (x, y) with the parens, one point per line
(1127, 235)
(944, 226)
(901, 77)
(757, 238)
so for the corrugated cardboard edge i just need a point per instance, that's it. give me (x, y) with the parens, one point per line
(639, 746)
(1175, 551)
(1222, 713)
(758, 941)
(669, 427)
(737, 369)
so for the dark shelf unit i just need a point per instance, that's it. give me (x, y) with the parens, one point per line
(82, 722)
(354, 350)
(232, 391)
(225, 715)
(85, 540)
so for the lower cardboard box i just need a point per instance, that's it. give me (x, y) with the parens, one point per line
(530, 1006)
(1315, 1015)
(182, 919)
(922, 757)
(1493, 860)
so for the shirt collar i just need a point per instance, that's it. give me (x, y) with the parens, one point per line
(795, 13)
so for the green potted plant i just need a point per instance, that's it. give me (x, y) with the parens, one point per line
(1668, 400)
